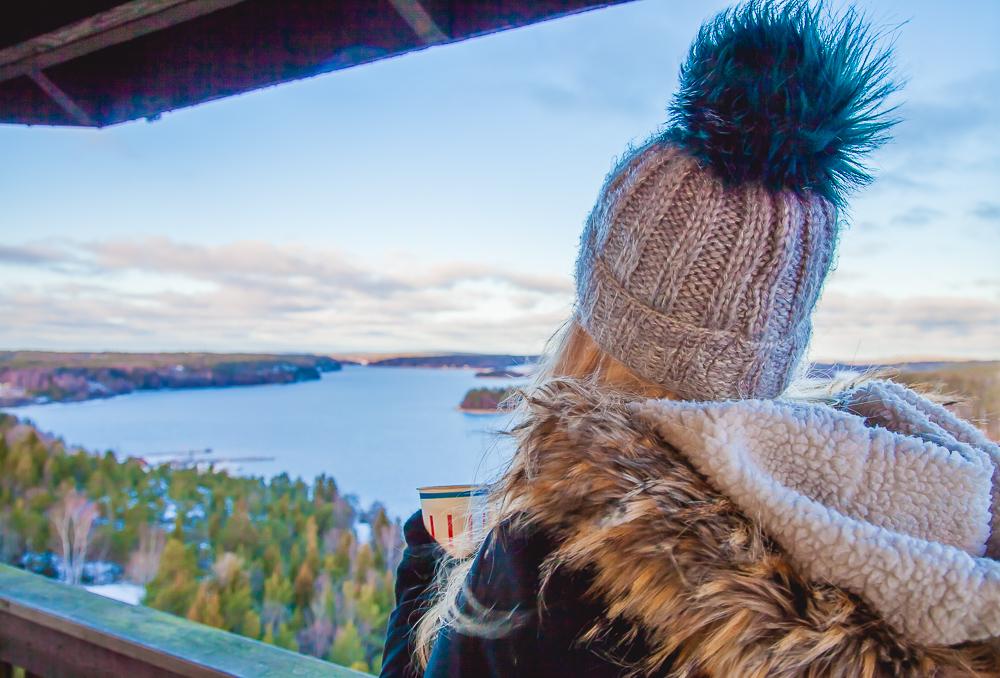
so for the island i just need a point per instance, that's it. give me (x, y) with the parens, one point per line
(40, 376)
(486, 400)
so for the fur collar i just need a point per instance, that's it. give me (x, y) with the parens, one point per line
(677, 561)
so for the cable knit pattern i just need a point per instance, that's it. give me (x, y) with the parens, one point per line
(702, 288)
(892, 499)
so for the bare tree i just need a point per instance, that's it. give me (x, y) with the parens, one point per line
(72, 518)
(317, 636)
(145, 560)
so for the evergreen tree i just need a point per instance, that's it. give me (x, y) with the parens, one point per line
(303, 587)
(343, 555)
(285, 638)
(205, 608)
(272, 557)
(364, 562)
(347, 649)
(174, 587)
(251, 625)
(239, 531)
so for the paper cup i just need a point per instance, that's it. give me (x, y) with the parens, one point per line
(453, 515)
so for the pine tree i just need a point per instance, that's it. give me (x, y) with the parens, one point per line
(343, 555)
(347, 649)
(230, 585)
(304, 582)
(174, 587)
(363, 562)
(251, 625)
(239, 530)
(312, 544)
(286, 638)
(205, 608)
(278, 589)
(272, 557)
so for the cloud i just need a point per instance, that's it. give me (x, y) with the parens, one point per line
(917, 216)
(453, 274)
(989, 211)
(952, 130)
(962, 109)
(157, 293)
(874, 327)
(247, 264)
(26, 255)
(160, 294)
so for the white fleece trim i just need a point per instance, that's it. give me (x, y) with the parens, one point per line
(900, 517)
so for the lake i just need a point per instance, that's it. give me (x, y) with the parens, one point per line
(379, 431)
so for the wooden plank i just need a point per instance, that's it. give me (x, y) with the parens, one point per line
(44, 652)
(61, 98)
(160, 641)
(421, 21)
(118, 24)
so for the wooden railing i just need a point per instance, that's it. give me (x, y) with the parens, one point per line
(51, 630)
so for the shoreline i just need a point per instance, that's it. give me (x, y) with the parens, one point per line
(476, 411)
(162, 389)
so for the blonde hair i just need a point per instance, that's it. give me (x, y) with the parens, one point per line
(572, 354)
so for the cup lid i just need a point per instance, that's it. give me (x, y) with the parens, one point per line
(451, 491)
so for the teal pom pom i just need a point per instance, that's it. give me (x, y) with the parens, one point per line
(772, 93)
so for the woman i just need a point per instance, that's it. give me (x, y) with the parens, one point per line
(673, 508)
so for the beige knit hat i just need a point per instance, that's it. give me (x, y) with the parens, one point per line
(701, 263)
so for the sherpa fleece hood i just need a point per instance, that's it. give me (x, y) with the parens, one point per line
(771, 538)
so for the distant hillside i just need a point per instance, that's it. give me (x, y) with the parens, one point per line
(40, 376)
(457, 360)
(914, 367)
(970, 388)
(975, 387)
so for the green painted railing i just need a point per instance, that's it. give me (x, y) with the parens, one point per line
(52, 630)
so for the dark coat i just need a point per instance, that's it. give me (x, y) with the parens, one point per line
(504, 577)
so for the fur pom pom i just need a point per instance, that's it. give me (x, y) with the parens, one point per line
(771, 92)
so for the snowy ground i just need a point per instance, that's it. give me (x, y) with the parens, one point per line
(125, 592)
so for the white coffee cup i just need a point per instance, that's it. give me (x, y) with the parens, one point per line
(454, 515)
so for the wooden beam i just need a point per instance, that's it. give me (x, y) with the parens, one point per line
(116, 25)
(60, 631)
(421, 21)
(60, 97)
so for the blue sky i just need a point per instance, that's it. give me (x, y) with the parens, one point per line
(434, 201)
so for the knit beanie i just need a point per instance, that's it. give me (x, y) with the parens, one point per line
(701, 262)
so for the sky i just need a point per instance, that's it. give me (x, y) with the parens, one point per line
(434, 201)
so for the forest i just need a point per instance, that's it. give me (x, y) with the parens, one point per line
(291, 563)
